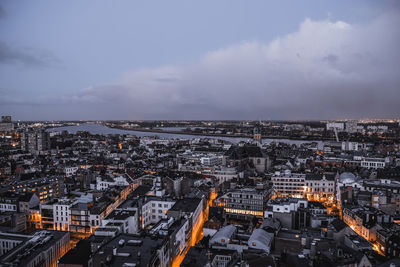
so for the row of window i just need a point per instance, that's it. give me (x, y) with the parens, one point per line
(245, 207)
(62, 219)
(287, 180)
(159, 205)
(244, 201)
(8, 207)
(319, 190)
(318, 184)
(297, 184)
(9, 244)
(245, 212)
(288, 188)
(246, 196)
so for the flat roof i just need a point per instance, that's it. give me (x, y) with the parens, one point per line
(134, 250)
(13, 237)
(186, 205)
(120, 214)
(79, 254)
(141, 190)
(22, 254)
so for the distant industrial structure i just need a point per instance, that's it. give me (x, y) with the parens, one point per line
(6, 124)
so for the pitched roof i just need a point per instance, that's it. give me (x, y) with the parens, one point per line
(338, 224)
(241, 152)
(225, 232)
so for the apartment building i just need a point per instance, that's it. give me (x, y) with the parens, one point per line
(155, 209)
(8, 202)
(35, 141)
(125, 220)
(319, 187)
(45, 188)
(211, 160)
(289, 184)
(8, 241)
(192, 210)
(105, 182)
(363, 220)
(43, 248)
(373, 163)
(70, 171)
(56, 214)
(386, 185)
(293, 213)
(244, 203)
(80, 218)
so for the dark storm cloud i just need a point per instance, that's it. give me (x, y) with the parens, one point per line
(26, 56)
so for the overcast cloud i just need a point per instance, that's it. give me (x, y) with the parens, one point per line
(327, 69)
(26, 56)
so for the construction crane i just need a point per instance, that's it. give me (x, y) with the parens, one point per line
(336, 134)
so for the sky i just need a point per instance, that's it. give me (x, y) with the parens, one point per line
(199, 60)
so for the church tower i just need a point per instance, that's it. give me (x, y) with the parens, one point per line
(257, 134)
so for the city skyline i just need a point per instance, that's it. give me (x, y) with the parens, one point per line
(188, 133)
(210, 61)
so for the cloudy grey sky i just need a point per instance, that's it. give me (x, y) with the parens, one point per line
(226, 59)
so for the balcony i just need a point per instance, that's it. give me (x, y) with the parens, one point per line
(80, 212)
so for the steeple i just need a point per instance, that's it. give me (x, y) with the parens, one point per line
(257, 134)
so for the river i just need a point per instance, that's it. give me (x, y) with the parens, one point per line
(104, 130)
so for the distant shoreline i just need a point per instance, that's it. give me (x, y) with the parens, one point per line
(311, 139)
